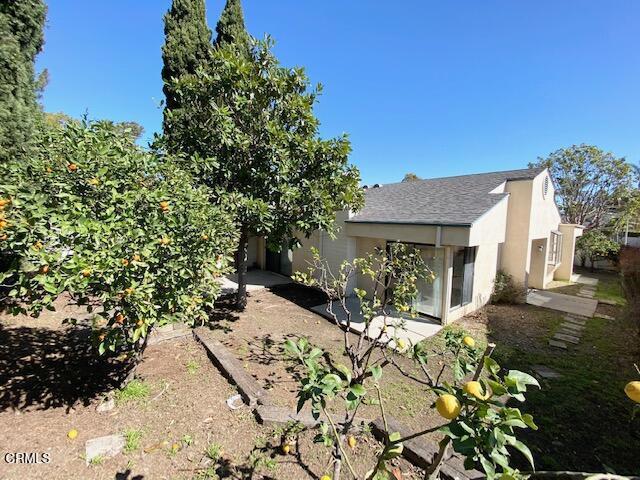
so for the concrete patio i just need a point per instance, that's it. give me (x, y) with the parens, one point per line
(256, 280)
(411, 330)
(582, 306)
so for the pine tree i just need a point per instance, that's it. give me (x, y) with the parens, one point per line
(187, 45)
(230, 27)
(21, 39)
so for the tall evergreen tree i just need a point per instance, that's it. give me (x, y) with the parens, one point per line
(231, 28)
(21, 39)
(187, 45)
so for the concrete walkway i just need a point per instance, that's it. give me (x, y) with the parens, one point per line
(256, 280)
(411, 330)
(581, 306)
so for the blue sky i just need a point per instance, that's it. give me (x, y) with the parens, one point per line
(436, 88)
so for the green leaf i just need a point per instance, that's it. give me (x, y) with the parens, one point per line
(517, 444)
(358, 390)
(376, 372)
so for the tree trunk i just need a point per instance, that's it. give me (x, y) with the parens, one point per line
(241, 265)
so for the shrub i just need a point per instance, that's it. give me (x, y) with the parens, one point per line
(630, 271)
(97, 217)
(507, 290)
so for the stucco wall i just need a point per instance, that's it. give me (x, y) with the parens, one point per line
(517, 245)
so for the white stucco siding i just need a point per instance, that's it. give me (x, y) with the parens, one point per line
(492, 226)
(544, 211)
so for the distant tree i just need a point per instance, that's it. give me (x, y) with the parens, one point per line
(251, 123)
(187, 45)
(590, 182)
(410, 177)
(21, 39)
(595, 245)
(231, 28)
(128, 129)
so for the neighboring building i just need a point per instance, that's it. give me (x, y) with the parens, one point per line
(466, 227)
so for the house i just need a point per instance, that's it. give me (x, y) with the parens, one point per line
(466, 228)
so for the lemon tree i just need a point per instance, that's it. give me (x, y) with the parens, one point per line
(475, 401)
(121, 230)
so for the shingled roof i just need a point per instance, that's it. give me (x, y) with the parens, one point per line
(457, 200)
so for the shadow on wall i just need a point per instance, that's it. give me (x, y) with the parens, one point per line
(42, 368)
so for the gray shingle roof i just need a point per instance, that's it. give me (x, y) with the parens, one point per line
(438, 201)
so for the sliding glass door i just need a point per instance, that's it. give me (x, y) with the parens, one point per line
(429, 298)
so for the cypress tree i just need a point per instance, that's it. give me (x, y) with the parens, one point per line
(21, 39)
(187, 45)
(230, 27)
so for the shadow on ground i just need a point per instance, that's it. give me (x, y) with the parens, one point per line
(303, 296)
(41, 368)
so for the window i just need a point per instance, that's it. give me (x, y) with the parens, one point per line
(555, 248)
(462, 279)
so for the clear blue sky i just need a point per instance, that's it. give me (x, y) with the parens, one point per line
(436, 88)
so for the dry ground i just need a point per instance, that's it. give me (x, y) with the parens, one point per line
(46, 369)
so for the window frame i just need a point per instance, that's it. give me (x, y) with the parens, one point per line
(554, 256)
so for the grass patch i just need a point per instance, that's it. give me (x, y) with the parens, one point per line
(97, 460)
(192, 367)
(213, 451)
(134, 391)
(610, 288)
(132, 438)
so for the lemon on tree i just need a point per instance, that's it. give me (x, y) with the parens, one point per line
(469, 341)
(632, 389)
(448, 406)
(475, 389)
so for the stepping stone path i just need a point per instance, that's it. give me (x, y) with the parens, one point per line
(108, 446)
(570, 332)
(545, 372)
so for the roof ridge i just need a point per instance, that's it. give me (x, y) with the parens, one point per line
(537, 169)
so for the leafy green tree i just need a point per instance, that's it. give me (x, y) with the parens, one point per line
(187, 44)
(590, 183)
(250, 121)
(410, 177)
(594, 245)
(21, 39)
(132, 130)
(97, 217)
(231, 29)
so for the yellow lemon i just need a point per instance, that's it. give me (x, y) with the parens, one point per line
(325, 477)
(86, 272)
(94, 181)
(73, 433)
(352, 441)
(286, 448)
(448, 406)
(469, 342)
(633, 391)
(475, 389)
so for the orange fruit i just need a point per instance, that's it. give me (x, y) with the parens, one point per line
(72, 167)
(139, 323)
(3, 237)
(86, 272)
(164, 205)
(37, 245)
(120, 318)
(4, 201)
(3, 224)
(129, 290)
(125, 262)
(165, 241)
(136, 258)
(49, 170)
(44, 269)
(205, 236)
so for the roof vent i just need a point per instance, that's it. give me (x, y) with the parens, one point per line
(377, 185)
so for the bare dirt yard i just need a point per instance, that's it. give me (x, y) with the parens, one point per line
(178, 425)
(174, 414)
